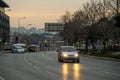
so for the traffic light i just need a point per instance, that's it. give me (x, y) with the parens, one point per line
(117, 21)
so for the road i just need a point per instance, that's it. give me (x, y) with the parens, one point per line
(44, 66)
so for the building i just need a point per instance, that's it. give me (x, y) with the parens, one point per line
(53, 27)
(4, 24)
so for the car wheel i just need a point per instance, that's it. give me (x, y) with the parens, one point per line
(77, 61)
(74, 60)
(61, 60)
(58, 60)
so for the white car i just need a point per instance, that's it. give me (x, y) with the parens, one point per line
(18, 49)
(68, 53)
(22, 45)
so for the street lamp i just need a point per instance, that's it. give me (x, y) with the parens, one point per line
(19, 26)
(29, 29)
(27, 34)
(19, 22)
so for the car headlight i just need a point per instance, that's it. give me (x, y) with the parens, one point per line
(76, 55)
(64, 55)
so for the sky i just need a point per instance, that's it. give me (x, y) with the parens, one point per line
(38, 12)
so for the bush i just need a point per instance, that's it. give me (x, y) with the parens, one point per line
(108, 55)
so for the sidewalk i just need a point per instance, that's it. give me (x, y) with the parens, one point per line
(6, 51)
(0, 53)
(103, 58)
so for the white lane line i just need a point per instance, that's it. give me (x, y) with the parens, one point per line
(46, 57)
(25, 60)
(36, 67)
(84, 68)
(30, 63)
(52, 73)
(1, 78)
(115, 74)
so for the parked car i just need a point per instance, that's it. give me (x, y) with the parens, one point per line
(32, 48)
(18, 49)
(67, 53)
(22, 45)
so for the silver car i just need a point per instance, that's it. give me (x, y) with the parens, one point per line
(68, 53)
(18, 49)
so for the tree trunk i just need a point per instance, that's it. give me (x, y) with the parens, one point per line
(86, 46)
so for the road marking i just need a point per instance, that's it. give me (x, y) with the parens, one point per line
(1, 78)
(115, 74)
(84, 68)
(52, 73)
(25, 60)
(30, 63)
(36, 67)
(46, 57)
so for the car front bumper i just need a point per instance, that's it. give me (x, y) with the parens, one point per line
(70, 58)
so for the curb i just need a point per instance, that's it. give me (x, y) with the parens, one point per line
(103, 58)
(6, 52)
(0, 53)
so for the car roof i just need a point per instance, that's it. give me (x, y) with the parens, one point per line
(19, 44)
(33, 45)
(68, 47)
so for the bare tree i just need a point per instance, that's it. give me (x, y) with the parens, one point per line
(115, 5)
(93, 22)
(65, 18)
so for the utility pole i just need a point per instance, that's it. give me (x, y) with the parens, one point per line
(19, 27)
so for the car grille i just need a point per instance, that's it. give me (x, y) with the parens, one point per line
(71, 55)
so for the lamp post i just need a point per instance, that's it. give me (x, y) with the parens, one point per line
(27, 34)
(29, 29)
(19, 27)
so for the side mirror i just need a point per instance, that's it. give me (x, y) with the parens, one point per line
(58, 51)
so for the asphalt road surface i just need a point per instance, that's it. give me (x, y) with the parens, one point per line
(44, 66)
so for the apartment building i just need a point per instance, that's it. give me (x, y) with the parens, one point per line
(4, 23)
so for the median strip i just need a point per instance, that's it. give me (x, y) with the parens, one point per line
(103, 58)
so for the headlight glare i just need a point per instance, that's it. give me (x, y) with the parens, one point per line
(76, 55)
(64, 55)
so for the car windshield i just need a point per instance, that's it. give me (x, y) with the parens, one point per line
(70, 49)
(18, 47)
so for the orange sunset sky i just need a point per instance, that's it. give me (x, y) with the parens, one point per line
(37, 12)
